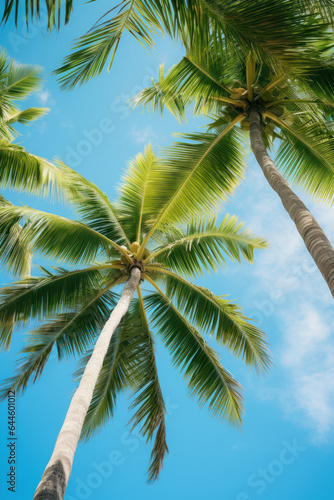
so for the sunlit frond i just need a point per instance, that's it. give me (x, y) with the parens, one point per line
(15, 251)
(205, 245)
(55, 236)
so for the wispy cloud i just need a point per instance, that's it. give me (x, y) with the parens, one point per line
(45, 97)
(143, 135)
(304, 354)
(308, 356)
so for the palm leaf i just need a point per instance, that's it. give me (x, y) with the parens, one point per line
(26, 116)
(93, 49)
(57, 237)
(193, 178)
(37, 297)
(70, 332)
(93, 206)
(306, 155)
(204, 245)
(26, 172)
(221, 318)
(133, 192)
(207, 379)
(15, 252)
(149, 402)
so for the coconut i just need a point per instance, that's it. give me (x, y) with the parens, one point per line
(124, 259)
(135, 247)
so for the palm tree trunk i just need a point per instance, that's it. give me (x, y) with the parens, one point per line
(314, 237)
(57, 473)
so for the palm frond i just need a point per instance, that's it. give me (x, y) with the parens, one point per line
(149, 402)
(93, 205)
(133, 192)
(221, 318)
(24, 171)
(159, 97)
(306, 155)
(193, 178)
(18, 81)
(204, 245)
(33, 10)
(37, 297)
(70, 332)
(208, 381)
(92, 50)
(56, 236)
(26, 115)
(15, 253)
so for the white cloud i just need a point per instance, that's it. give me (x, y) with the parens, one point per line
(308, 357)
(44, 98)
(304, 355)
(143, 135)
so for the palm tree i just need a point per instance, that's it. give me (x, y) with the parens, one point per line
(246, 96)
(19, 169)
(287, 33)
(141, 237)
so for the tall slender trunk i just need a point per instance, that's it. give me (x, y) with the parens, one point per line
(57, 473)
(314, 237)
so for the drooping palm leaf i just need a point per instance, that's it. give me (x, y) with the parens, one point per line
(207, 379)
(221, 318)
(149, 402)
(15, 251)
(70, 332)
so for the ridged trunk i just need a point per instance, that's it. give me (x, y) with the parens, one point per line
(313, 235)
(57, 473)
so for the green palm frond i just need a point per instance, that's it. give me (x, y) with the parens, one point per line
(26, 115)
(37, 297)
(15, 250)
(221, 318)
(115, 376)
(93, 205)
(282, 33)
(17, 81)
(149, 402)
(92, 50)
(70, 333)
(33, 10)
(27, 172)
(159, 97)
(199, 79)
(204, 245)
(306, 156)
(189, 180)
(134, 190)
(58, 237)
(208, 381)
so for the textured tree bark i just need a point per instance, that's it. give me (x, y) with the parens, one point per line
(57, 473)
(313, 235)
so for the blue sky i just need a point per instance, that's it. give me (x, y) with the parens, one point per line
(285, 449)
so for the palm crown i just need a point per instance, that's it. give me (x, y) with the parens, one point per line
(109, 240)
(226, 91)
